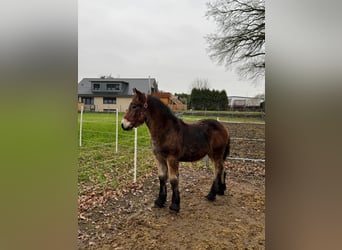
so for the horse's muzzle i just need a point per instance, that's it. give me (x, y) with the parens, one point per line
(126, 125)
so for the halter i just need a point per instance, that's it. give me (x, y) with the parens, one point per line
(145, 104)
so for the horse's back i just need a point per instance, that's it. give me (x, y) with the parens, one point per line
(218, 138)
(203, 137)
(214, 126)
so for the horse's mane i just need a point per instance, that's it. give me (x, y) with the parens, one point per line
(165, 110)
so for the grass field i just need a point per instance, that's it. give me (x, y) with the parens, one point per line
(100, 167)
(99, 129)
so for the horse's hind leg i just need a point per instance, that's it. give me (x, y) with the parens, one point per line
(163, 176)
(219, 150)
(174, 175)
(222, 184)
(218, 186)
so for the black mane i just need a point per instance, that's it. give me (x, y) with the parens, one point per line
(164, 109)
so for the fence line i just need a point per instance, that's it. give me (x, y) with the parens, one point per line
(96, 131)
(116, 129)
(148, 149)
(145, 148)
(81, 123)
(246, 159)
(96, 146)
(248, 139)
(98, 122)
(148, 137)
(236, 122)
(135, 154)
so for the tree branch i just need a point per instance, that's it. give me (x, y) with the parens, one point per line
(241, 34)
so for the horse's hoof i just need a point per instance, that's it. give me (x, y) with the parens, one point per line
(174, 208)
(220, 192)
(159, 203)
(221, 189)
(210, 197)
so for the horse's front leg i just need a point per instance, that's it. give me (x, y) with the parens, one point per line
(174, 175)
(163, 176)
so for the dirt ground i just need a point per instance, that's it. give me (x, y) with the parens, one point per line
(128, 220)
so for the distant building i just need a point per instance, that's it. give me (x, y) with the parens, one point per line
(245, 103)
(107, 94)
(170, 100)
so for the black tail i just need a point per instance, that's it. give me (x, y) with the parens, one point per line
(226, 151)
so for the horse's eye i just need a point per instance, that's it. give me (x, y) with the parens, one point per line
(134, 107)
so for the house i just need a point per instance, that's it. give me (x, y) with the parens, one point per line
(106, 94)
(170, 100)
(245, 103)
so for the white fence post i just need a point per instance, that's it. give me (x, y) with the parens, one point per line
(135, 153)
(81, 121)
(117, 131)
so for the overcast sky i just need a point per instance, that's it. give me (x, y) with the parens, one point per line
(163, 39)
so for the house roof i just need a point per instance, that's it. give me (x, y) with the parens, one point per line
(163, 95)
(142, 84)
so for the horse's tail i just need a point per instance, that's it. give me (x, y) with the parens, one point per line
(227, 149)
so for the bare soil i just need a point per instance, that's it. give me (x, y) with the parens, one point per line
(126, 218)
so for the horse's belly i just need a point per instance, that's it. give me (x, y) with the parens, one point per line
(190, 159)
(193, 155)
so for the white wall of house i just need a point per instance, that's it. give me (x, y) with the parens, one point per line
(122, 104)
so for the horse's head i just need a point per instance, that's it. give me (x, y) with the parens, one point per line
(135, 115)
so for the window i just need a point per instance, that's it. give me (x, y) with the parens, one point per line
(109, 110)
(109, 100)
(113, 86)
(88, 100)
(96, 86)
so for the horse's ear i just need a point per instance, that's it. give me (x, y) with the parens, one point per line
(135, 91)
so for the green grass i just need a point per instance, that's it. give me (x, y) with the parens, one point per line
(99, 129)
(100, 167)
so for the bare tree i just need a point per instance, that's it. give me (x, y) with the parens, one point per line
(240, 40)
(109, 76)
(200, 83)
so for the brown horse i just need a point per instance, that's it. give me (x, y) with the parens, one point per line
(174, 141)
